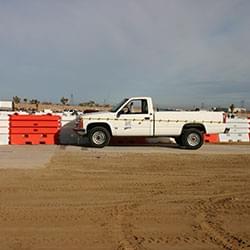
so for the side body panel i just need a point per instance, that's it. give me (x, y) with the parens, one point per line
(171, 123)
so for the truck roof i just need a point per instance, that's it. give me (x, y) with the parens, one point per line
(139, 97)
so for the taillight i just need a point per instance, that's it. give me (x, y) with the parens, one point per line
(80, 122)
(224, 117)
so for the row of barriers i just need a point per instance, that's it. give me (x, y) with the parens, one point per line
(22, 128)
(19, 129)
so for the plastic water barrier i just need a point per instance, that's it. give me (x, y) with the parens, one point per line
(4, 128)
(34, 129)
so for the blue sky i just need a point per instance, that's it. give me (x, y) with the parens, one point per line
(180, 52)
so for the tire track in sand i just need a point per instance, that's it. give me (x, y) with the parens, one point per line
(207, 222)
(124, 229)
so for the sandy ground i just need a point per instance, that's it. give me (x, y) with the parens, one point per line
(124, 198)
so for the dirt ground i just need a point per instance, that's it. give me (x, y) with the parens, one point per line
(91, 199)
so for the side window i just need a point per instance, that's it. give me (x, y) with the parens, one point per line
(136, 107)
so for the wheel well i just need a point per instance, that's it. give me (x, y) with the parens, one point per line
(198, 126)
(99, 124)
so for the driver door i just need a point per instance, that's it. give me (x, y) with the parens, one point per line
(134, 119)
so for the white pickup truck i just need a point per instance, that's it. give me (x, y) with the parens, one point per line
(136, 117)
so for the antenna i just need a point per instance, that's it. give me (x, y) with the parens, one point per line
(242, 103)
(72, 99)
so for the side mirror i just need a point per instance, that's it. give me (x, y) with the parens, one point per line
(125, 110)
(119, 113)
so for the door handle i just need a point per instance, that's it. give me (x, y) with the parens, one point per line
(146, 118)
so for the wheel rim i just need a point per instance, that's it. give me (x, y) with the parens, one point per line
(193, 139)
(99, 137)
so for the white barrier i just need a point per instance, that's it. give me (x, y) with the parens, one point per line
(4, 139)
(4, 128)
(239, 130)
(234, 137)
(249, 128)
(67, 119)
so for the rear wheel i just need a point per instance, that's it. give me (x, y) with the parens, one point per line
(99, 137)
(192, 138)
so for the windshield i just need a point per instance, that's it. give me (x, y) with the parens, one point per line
(117, 106)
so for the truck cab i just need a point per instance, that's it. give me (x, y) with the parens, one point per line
(134, 117)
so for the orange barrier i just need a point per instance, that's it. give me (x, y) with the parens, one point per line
(33, 124)
(49, 117)
(34, 129)
(33, 139)
(211, 138)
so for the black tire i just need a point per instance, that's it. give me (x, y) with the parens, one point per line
(192, 138)
(99, 137)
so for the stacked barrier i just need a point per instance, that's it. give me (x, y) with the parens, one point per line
(211, 138)
(67, 118)
(34, 129)
(249, 128)
(4, 128)
(239, 130)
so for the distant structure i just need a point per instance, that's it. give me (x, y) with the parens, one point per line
(6, 106)
(242, 104)
(238, 110)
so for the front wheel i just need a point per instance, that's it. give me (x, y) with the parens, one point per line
(192, 138)
(99, 137)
